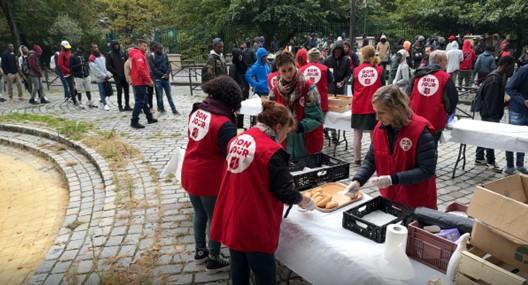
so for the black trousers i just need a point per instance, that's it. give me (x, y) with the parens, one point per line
(262, 265)
(490, 153)
(150, 91)
(122, 88)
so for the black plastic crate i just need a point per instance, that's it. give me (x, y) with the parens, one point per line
(353, 218)
(336, 170)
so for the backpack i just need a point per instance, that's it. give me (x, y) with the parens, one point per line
(53, 63)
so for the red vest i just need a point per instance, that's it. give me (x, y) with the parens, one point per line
(203, 158)
(247, 216)
(427, 99)
(367, 80)
(273, 78)
(403, 158)
(313, 141)
(318, 74)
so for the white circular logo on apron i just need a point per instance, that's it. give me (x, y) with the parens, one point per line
(199, 125)
(368, 76)
(241, 153)
(406, 144)
(313, 73)
(274, 80)
(428, 85)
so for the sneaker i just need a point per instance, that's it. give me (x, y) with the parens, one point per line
(106, 107)
(152, 121)
(127, 108)
(81, 106)
(44, 100)
(522, 170)
(494, 167)
(175, 112)
(33, 101)
(216, 264)
(161, 111)
(120, 108)
(480, 162)
(510, 170)
(201, 255)
(137, 125)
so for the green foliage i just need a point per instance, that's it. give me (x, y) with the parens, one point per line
(65, 28)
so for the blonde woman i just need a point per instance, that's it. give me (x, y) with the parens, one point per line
(368, 77)
(403, 153)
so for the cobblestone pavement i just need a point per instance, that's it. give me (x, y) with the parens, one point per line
(100, 232)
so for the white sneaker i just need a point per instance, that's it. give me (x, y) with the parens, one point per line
(106, 107)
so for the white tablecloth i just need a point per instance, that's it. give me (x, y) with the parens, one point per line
(317, 247)
(490, 135)
(334, 120)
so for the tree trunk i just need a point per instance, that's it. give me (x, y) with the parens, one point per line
(10, 17)
(352, 20)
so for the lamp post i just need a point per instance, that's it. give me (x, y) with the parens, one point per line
(365, 17)
(352, 19)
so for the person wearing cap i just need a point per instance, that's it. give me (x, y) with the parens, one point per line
(64, 64)
(35, 75)
(140, 78)
(383, 51)
(216, 64)
(257, 75)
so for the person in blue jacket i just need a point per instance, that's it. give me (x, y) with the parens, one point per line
(257, 75)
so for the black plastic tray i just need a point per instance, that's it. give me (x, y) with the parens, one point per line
(336, 170)
(353, 218)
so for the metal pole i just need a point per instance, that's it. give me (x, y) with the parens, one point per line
(365, 18)
(352, 19)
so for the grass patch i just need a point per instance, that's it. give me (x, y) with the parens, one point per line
(74, 130)
(112, 147)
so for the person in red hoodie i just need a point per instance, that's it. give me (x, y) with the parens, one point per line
(64, 64)
(256, 183)
(35, 74)
(212, 124)
(466, 66)
(368, 77)
(301, 58)
(141, 80)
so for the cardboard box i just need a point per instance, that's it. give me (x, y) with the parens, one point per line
(501, 246)
(339, 103)
(477, 268)
(502, 205)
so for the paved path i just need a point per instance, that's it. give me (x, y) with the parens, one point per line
(144, 226)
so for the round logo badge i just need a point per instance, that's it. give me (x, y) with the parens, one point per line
(368, 76)
(313, 73)
(406, 144)
(241, 153)
(199, 125)
(274, 80)
(428, 85)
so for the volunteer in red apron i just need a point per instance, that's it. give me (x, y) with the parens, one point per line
(368, 77)
(212, 125)
(302, 99)
(402, 153)
(433, 94)
(319, 74)
(256, 184)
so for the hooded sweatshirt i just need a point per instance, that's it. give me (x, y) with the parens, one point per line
(98, 68)
(257, 75)
(485, 63)
(238, 69)
(454, 57)
(115, 62)
(139, 68)
(469, 56)
(34, 61)
(340, 66)
(301, 58)
(64, 62)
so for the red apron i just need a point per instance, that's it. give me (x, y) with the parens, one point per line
(318, 74)
(367, 80)
(427, 99)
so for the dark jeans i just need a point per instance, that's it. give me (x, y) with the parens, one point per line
(65, 85)
(150, 91)
(517, 119)
(71, 86)
(122, 87)
(203, 207)
(140, 98)
(465, 76)
(490, 153)
(162, 85)
(262, 265)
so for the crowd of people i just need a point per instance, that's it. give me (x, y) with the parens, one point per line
(402, 97)
(145, 67)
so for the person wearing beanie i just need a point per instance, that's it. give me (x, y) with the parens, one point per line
(383, 51)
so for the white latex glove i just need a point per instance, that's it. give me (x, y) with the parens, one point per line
(307, 204)
(352, 189)
(382, 181)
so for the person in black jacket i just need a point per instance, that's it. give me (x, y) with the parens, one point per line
(81, 74)
(115, 63)
(161, 71)
(339, 64)
(237, 71)
(493, 99)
